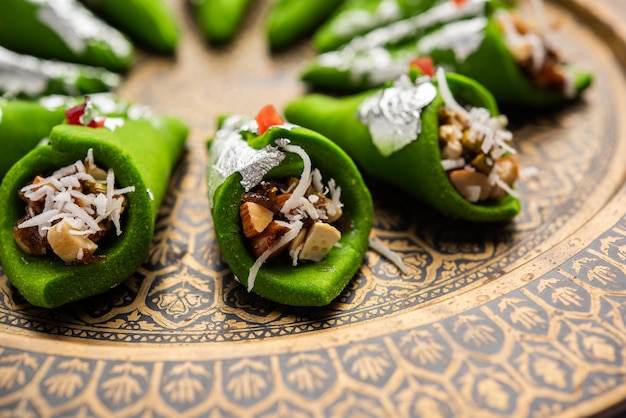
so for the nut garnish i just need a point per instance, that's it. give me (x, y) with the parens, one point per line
(268, 238)
(70, 210)
(255, 218)
(537, 59)
(68, 245)
(476, 151)
(265, 223)
(474, 186)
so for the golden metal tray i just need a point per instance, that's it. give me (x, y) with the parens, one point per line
(525, 319)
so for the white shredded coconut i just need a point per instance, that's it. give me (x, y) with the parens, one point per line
(389, 254)
(335, 204)
(113, 123)
(294, 254)
(294, 229)
(449, 164)
(299, 207)
(317, 181)
(304, 183)
(528, 172)
(446, 94)
(496, 141)
(64, 199)
(537, 42)
(502, 184)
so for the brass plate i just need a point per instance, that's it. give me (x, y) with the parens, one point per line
(524, 319)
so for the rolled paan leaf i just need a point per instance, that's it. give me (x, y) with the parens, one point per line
(149, 23)
(220, 20)
(24, 124)
(483, 40)
(79, 213)
(291, 212)
(26, 76)
(357, 17)
(416, 136)
(289, 21)
(63, 30)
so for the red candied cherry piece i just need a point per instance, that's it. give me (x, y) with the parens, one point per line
(267, 117)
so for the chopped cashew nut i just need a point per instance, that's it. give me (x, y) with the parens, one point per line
(68, 245)
(70, 210)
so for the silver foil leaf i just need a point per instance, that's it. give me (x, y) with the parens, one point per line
(444, 12)
(393, 115)
(367, 59)
(230, 153)
(78, 27)
(464, 38)
(402, 30)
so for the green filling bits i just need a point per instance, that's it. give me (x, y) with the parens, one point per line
(150, 23)
(416, 169)
(63, 30)
(46, 280)
(307, 283)
(220, 20)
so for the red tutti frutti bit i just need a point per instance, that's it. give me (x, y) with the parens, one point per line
(75, 114)
(424, 64)
(267, 117)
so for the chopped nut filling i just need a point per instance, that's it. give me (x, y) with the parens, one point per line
(537, 59)
(70, 211)
(265, 222)
(475, 152)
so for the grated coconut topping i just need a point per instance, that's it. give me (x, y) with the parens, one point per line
(63, 198)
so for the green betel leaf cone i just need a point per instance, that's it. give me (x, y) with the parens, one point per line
(47, 77)
(475, 45)
(48, 281)
(289, 21)
(308, 283)
(27, 123)
(506, 80)
(67, 32)
(415, 169)
(24, 124)
(356, 17)
(150, 23)
(220, 20)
